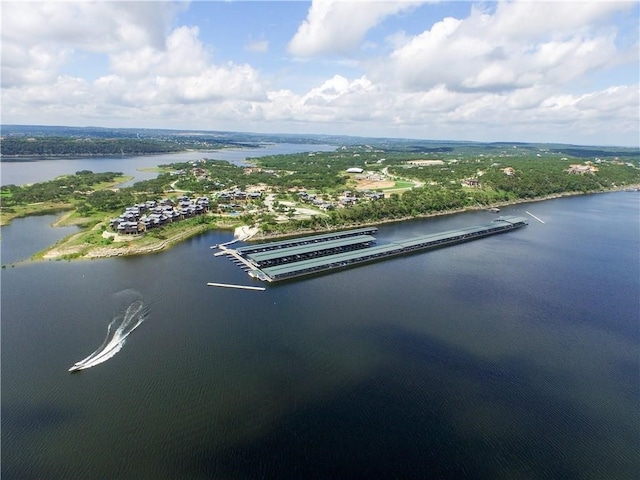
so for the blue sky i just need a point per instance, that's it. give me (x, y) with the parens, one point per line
(538, 71)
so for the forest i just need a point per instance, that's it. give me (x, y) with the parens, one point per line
(63, 189)
(65, 146)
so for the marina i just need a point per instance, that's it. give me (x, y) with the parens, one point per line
(283, 260)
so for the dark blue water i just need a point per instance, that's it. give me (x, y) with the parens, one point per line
(19, 171)
(513, 356)
(29, 235)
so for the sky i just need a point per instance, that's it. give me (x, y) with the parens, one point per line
(527, 71)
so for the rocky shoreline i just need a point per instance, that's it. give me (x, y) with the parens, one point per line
(244, 233)
(126, 247)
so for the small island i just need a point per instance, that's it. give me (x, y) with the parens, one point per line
(355, 185)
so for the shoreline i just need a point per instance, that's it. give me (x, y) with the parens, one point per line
(84, 252)
(262, 236)
(126, 154)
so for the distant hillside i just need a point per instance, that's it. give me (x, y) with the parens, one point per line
(65, 146)
(36, 140)
(31, 140)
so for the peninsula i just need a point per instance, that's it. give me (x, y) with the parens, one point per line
(355, 185)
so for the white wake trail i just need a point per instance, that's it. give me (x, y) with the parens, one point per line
(132, 318)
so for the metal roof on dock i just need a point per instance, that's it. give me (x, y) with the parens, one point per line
(338, 260)
(331, 261)
(512, 219)
(442, 236)
(308, 248)
(245, 250)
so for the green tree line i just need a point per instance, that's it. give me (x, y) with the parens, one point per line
(63, 189)
(59, 146)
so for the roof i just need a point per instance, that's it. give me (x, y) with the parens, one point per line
(331, 261)
(305, 240)
(512, 219)
(318, 264)
(268, 255)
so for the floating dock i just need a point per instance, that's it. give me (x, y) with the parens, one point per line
(228, 285)
(529, 213)
(292, 258)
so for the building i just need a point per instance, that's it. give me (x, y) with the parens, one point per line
(152, 214)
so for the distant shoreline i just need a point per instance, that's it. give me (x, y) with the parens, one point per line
(125, 154)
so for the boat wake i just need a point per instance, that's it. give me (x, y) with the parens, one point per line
(123, 323)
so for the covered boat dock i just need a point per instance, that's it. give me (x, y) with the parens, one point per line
(307, 251)
(292, 258)
(307, 240)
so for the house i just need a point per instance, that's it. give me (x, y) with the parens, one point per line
(471, 182)
(239, 195)
(128, 228)
(373, 196)
(349, 201)
(582, 169)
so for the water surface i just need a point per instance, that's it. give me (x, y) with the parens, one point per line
(513, 356)
(23, 170)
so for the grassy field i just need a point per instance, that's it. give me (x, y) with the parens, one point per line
(92, 242)
(7, 214)
(43, 208)
(404, 184)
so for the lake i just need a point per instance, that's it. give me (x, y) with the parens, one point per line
(23, 170)
(512, 356)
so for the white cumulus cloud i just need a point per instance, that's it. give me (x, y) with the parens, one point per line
(38, 38)
(147, 67)
(519, 45)
(506, 71)
(338, 26)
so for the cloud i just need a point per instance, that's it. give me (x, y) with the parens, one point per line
(260, 46)
(180, 73)
(508, 72)
(36, 65)
(39, 37)
(519, 45)
(359, 106)
(145, 65)
(338, 26)
(182, 54)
